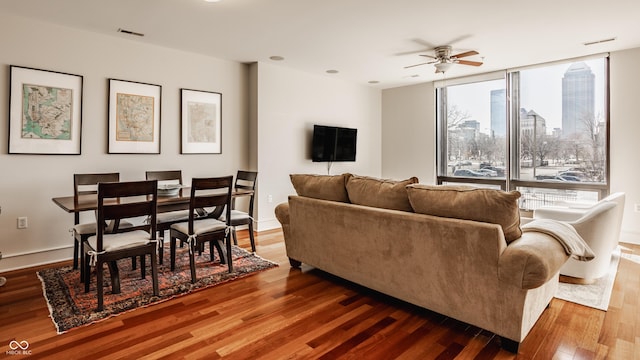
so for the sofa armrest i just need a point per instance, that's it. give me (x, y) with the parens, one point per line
(559, 213)
(282, 213)
(531, 260)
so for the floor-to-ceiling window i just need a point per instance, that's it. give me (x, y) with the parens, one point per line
(542, 130)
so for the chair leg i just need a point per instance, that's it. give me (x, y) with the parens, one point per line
(229, 255)
(172, 252)
(87, 274)
(75, 254)
(235, 238)
(161, 246)
(134, 263)
(154, 274)
(253, 241)
(143, 266)
(192, 261)
(81, 265)
(99, 285)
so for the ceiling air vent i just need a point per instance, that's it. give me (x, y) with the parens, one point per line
(129, 32)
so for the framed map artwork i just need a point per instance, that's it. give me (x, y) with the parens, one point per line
(134, 117)
(201, 114)
(45, 112)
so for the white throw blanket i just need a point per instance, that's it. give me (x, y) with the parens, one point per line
(565, 234)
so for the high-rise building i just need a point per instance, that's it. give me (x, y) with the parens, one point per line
(578, 98)
(498, 113)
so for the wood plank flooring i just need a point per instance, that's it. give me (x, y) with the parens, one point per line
(284, 313)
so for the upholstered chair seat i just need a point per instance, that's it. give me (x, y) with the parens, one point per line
(122, 240)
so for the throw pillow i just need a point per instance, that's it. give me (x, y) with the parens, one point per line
(469, 203)
(324, 187)
(381, 193)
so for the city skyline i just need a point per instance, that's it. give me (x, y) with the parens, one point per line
(541, 91)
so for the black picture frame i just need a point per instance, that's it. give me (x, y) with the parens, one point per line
(45, 112)
(134, 116)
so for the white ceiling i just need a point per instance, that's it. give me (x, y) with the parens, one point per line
(365, 40)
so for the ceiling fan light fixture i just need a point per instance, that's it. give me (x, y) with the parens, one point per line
(443, 66)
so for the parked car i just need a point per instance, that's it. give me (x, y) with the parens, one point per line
(568, 178)
(488, 172)
(498, 169)
(574, 174)
(468, 173)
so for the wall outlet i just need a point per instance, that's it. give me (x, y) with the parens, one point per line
(269, 198)
(636, 207)
(22, 222)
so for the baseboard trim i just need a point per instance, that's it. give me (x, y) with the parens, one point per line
(35, 258)
(268, 224)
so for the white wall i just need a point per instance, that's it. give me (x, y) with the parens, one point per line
(409, 113)
(28, 182)
(409, 133)
(289, 103)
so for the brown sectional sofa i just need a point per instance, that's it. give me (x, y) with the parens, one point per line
(365, 230)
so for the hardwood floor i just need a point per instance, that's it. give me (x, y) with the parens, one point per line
(285, 313)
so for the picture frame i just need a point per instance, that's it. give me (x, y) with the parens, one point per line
(201, 122)
(45, 112)
(134, 117)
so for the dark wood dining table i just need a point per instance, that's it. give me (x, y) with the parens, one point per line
(166, 203)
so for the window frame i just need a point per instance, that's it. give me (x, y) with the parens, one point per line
(511, 180)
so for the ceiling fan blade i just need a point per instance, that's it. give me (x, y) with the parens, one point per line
(467, 62)
(464, 54)
(430, 56)
(410, 66)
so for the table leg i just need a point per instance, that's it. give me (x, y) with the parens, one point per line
(115, 277)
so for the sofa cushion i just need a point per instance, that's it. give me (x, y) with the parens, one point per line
(324, 187)
(468, 203)
(380, 193)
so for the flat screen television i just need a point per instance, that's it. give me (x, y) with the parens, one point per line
(331, 143)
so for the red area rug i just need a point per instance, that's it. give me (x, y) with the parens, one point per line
(71, 307)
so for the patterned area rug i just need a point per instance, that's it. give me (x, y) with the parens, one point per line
(71, 307)
(596, 295)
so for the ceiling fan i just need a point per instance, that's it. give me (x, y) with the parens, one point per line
(443, 60)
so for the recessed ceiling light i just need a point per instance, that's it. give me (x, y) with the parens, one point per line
(332, 71)
(276, 58)
(211, 0)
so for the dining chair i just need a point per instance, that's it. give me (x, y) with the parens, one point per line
(87, 184)
(197, 231)
(245, 181)
(119, 201)
(165, 220)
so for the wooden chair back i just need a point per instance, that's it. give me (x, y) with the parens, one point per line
(210, 192)
(165, 176)
(87, 184)
(246, 180)
(123, 200)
